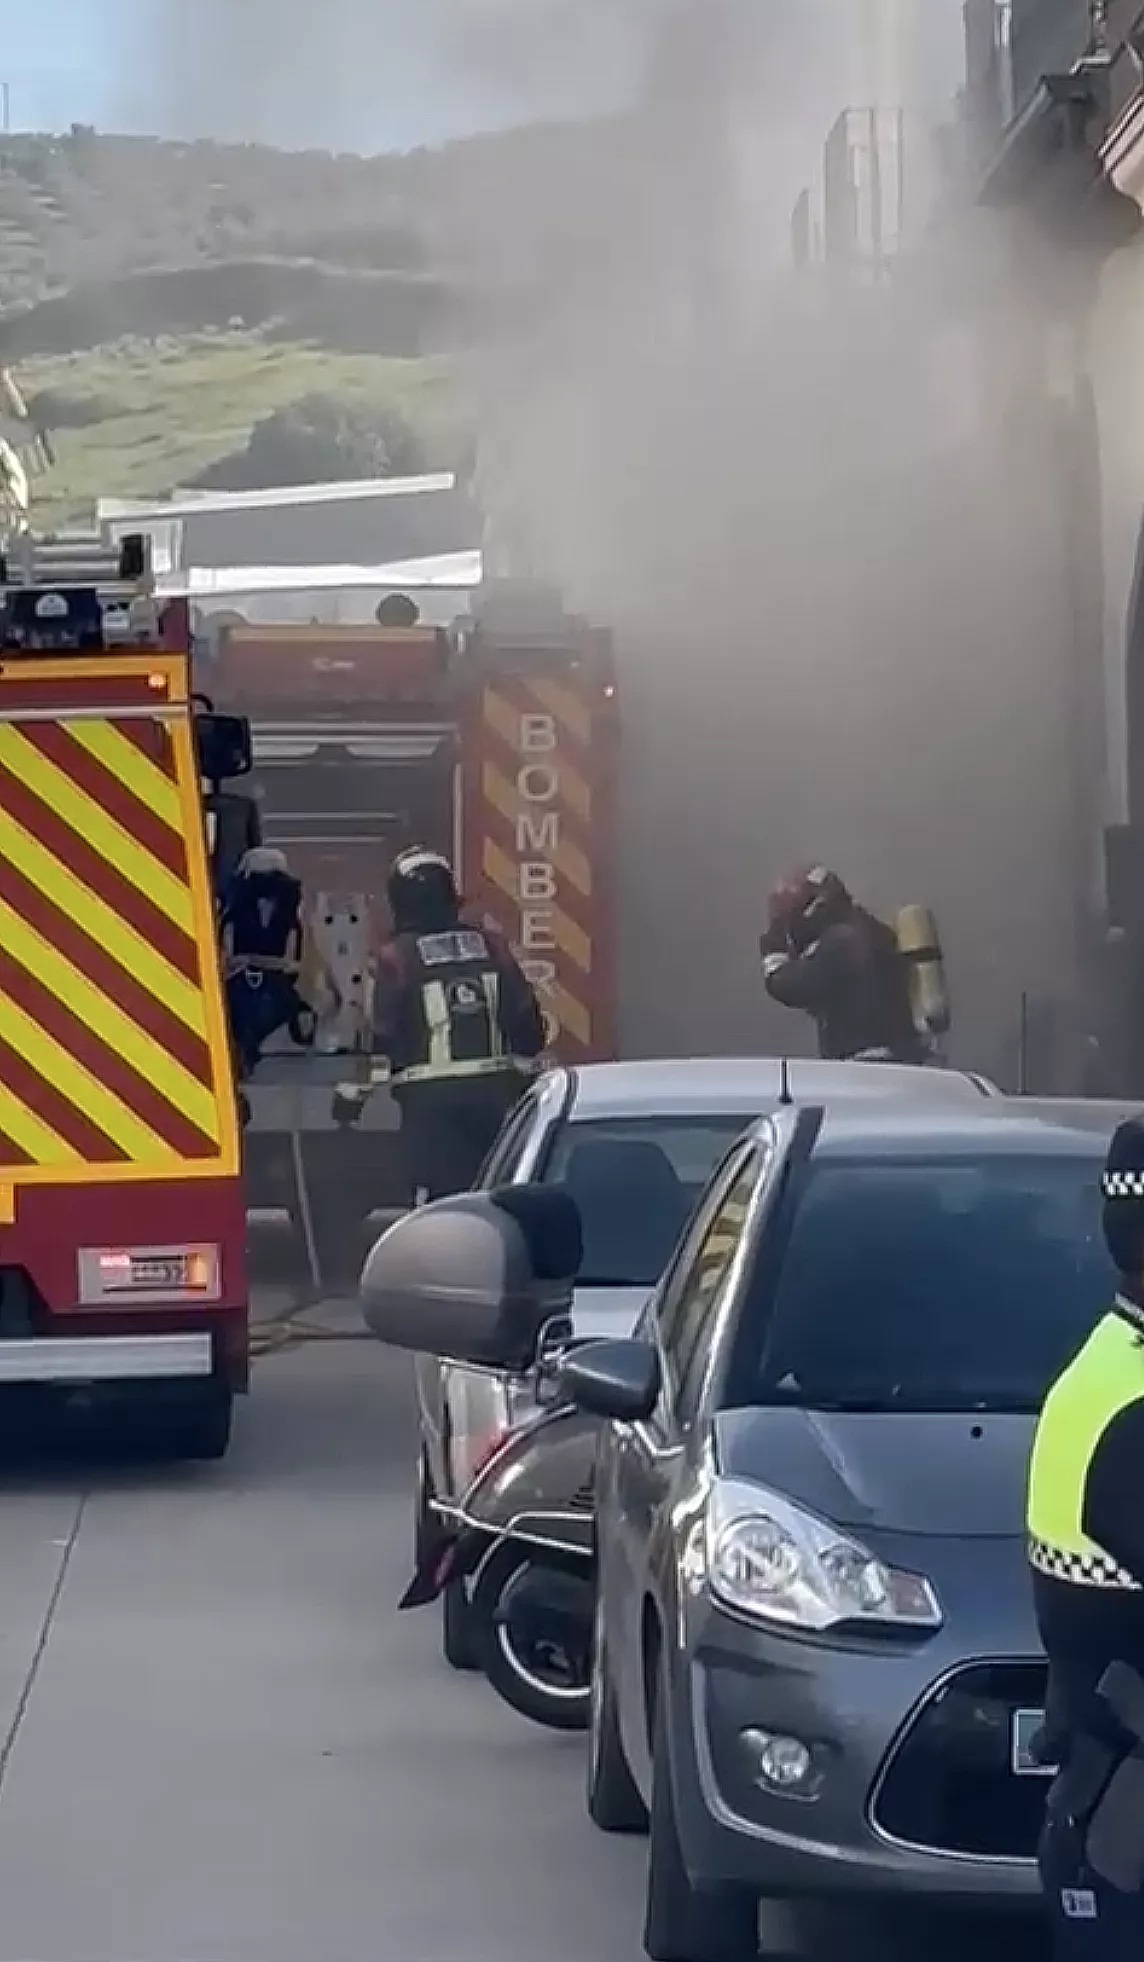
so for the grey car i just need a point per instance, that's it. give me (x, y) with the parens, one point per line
(634, 1142)
(816, 1669)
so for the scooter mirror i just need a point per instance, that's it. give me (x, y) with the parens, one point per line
(476, 1278)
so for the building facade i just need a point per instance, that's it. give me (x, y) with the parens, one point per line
(1054, 110)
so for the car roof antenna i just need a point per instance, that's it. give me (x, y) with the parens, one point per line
(785, 1093)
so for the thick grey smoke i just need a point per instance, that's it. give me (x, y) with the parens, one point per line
(376, 74)
(835, 577)
(832, 567)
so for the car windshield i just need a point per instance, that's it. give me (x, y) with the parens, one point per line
(636, 1181)
(935, 1286)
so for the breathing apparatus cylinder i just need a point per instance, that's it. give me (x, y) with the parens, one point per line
(919, 944)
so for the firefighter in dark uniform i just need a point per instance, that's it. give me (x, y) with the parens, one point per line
(458, 1022)
(1086, 1553)
(261, 926)
(843, 967)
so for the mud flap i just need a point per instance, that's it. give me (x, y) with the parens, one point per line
(454, 1560)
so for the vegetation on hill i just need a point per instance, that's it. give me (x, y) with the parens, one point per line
(141, 418)
(195, 313)
(83, 208)
(166, 301)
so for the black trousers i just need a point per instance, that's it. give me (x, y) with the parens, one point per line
(1089, 1920)
(448, 1127)
(260, 1005)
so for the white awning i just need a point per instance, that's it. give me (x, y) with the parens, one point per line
(347, 491)
(451, 570)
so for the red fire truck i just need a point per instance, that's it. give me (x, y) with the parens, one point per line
(122, 1259)
(494, 741)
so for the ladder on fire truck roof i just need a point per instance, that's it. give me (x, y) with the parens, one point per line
(74, 590)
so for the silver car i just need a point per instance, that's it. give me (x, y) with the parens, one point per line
(816, 1674)
(635, 1144)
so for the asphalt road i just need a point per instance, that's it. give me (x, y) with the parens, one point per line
(224, 1744)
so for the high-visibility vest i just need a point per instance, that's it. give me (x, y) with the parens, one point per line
(456, 1002)
(1100, 1382)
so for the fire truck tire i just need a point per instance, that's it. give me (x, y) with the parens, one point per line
(200, 1432)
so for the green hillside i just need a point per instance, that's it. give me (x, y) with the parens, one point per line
(147, 417)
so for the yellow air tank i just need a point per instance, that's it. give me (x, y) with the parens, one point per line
(919, 943)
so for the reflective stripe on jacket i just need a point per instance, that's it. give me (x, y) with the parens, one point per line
(1106, 1376)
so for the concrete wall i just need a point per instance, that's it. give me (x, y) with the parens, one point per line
(1118, 374)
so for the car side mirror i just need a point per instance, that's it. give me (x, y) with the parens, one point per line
(476, 1278)
(620, 1380)
(225, 745)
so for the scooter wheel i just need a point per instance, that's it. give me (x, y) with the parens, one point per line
(530, 1620)
(456, 1632)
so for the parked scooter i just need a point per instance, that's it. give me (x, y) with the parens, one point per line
(521, 1535)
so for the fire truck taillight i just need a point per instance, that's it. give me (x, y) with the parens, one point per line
(138, 1276)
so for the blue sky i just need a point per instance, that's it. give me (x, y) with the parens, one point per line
(352, 74)
(52, 58)
(366, 74)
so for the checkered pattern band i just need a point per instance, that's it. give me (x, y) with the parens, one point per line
(1123, 1185)
(1080, 1569)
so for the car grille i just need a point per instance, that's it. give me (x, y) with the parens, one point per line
(948, 1785)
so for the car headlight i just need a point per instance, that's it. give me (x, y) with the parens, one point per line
(767, 1558)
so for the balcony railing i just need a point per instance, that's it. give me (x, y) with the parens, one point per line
(1046, 37)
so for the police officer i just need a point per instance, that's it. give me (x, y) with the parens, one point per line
(458, 1022)
(828, 956)
(1086, 1553)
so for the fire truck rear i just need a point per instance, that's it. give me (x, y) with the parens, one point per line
(494, 741)
(122, 1223)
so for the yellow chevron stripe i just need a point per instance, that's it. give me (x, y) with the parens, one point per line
(116, 936)
(96, 827)
(43, 1145)
(72, 1080)
(571, 1014)
(568, 859)
(574, 792)
(123, 1037)
(124, 760)
(572, 940)
(569, 708)
(569, 937)
(503, 719)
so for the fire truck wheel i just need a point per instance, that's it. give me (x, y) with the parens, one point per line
(200, 1430)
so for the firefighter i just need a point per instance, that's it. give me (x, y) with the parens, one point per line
(457, 1021)
(843, 967)
(1086, 1554)
(261, 925)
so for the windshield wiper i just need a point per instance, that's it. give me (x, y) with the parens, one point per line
(610, 1281)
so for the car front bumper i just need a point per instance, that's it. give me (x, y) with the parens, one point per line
(913, 1791)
